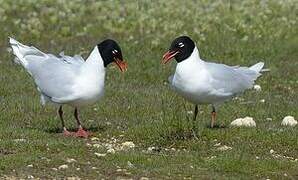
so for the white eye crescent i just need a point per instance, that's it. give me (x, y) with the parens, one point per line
(181, 44)
(114, 51)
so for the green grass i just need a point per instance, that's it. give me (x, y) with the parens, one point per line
(138, 105)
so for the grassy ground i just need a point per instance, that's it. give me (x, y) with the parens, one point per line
(139, 105)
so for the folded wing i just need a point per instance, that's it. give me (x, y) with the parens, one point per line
(228, 80)
(54, 76)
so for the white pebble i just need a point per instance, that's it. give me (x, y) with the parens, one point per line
(94, 139)
(271, 151)
(224, 148)
(30, 177)
(246, 122)
(100, 154)
(30, 165)
(111, 151)
(96, 145)
(217, 144)
(127, 145)
(289, 121)
(64, 166)
(130, 165)
(262, 100)
(144, 178)
(19, 140)
(189, 112)
(70, 160)
(257, 87)
(150, 148)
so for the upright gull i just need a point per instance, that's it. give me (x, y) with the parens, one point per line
(202, 82)
(69, 80)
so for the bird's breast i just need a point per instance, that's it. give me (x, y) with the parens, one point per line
(194, 87)
(88, 90)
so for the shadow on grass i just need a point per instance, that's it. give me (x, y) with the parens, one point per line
(217, 126)
(90, 129)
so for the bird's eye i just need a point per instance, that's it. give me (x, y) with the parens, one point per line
(181, 44)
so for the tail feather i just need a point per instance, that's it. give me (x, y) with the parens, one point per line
(21, 51)
(257, 67)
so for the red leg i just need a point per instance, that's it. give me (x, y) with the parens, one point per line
(81, 132)
(65, 131)
(213, 117)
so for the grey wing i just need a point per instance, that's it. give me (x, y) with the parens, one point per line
(227, 80)
(76, 60)
(54, 77)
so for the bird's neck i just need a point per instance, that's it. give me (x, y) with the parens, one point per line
(95, 59)
(195, 55)
(94, 63)
(193, 64)
(193, 60)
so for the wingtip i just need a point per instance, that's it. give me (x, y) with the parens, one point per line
(12, 40)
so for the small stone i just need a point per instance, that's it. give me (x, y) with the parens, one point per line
(224, 148)
(100, 154)
(289, 121)
(19, 140)
(78, 169)
(94, 168)
(257, 87)
(54, 169)
(246, 122)
(271, 151)
(150, 149)
(212, 157)
(127, 145)
(72, 178)
(262, 100)
(94, 139)
(173, 149)
(108, 123)
(130, 165)
(144, 178)
(257, 157)
(30, 177)
(217, 144)
(119, 170)
(111, 151)
(189, 112)
(97, 145)
(70, 160)
(62, 167)
(30, 165)
(269, 119)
